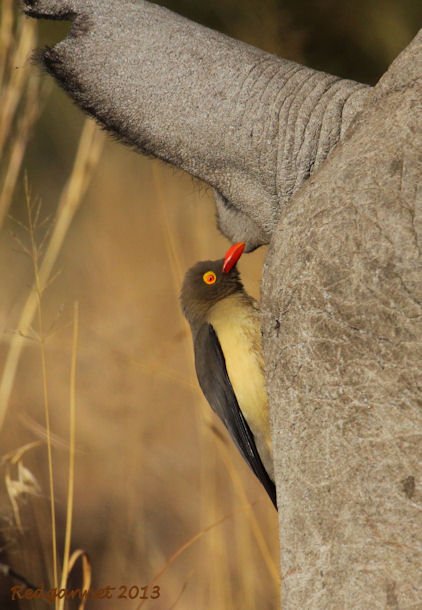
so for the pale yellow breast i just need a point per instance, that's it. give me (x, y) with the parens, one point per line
(237, 324)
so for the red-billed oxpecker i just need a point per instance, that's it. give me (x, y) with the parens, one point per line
(226, 333)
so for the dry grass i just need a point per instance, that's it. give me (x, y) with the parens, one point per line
(88, 152)
(121, 460)
(19, 98)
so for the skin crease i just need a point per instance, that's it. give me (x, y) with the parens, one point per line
(235, 318)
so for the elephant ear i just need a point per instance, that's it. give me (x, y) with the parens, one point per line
(250, 124)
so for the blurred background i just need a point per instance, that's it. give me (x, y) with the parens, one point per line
(96, 364)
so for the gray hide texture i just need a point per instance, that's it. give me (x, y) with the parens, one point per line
(342, 284)
(250, 124)
(342, 302)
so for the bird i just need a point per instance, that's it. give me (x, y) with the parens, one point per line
(226, 334)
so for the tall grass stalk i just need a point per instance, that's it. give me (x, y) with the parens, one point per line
(19, 97)
(6, 36)
(72, 438)
(38, 291)
(77, 555)
(208, 504)
(17, 149)
(15, 68)
(89, 150)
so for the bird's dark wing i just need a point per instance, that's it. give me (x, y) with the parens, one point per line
(217, 388)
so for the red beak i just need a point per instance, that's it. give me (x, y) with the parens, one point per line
(232, 256)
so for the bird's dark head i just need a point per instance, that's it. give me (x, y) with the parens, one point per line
(208, 282)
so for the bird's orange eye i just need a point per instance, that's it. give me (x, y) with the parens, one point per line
(209, 277)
